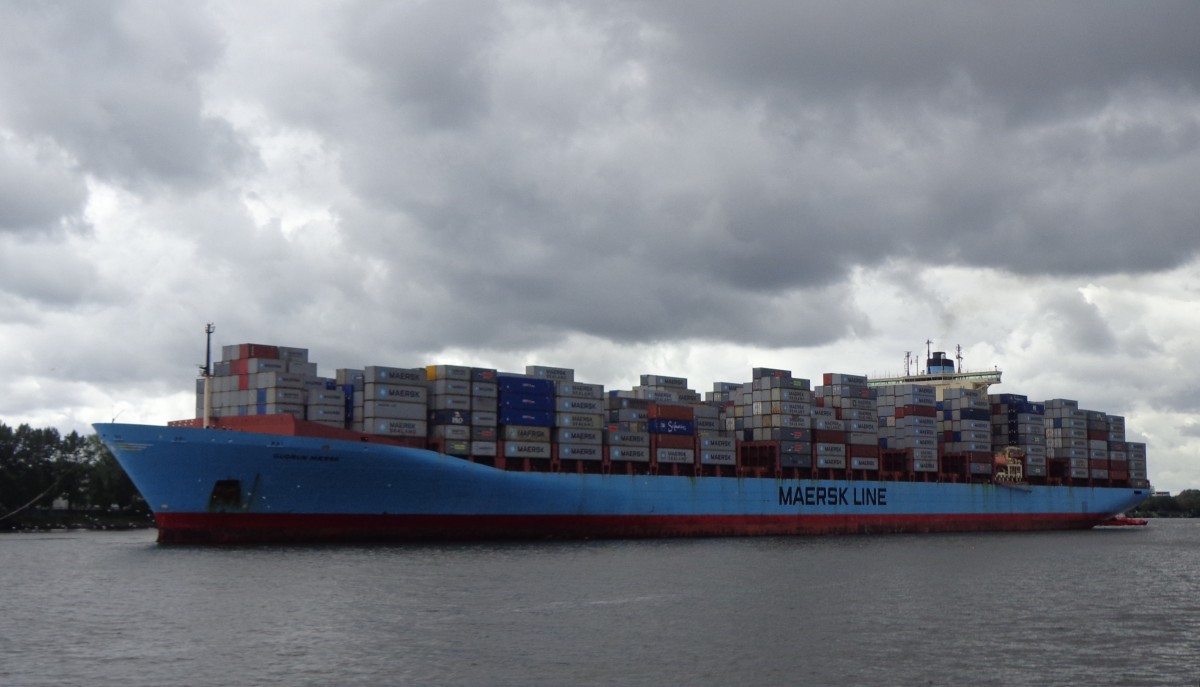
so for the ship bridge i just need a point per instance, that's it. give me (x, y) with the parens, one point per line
(941, 371)
(979, 381)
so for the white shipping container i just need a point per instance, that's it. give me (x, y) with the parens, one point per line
(556, 374)
(484, 418)
(656, 395)
(326, 397)
(619, 438)
(579, 420)
(392, 427)
(580, 405)
(862, 439)
(581, 452)
(664, 381)
(457, 448)
(676, 455)
(451, 432)
(407, 393)
(637, 454)
(792, 421)
(281, 395)
(326, 414)
(264, 380)
(483, 448)
(791, 395)
(718, 443)
(579, 436)
(484, 390)
(353, 377)
(718, 457)
(393, 375)
(829, 425)
(527, 449)
(579, 390)
(449, 402)
(525, 433)
(296, 409)
(451, 387)
(436, 372)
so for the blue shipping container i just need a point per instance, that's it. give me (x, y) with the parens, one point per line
(527, 418)
(512, 401)
(524, 385)
(678, 427)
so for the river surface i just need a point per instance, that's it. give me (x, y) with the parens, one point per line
(1103, 607)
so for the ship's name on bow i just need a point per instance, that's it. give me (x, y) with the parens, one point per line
(301, 456)
(833, 496)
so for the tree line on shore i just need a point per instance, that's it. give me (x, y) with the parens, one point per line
(1185, 504)
(39, 467)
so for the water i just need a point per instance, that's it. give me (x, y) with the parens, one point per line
(1117, 607)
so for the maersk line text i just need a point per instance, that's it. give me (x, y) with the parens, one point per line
(833, 496)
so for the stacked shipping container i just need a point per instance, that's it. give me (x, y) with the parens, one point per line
(1018, 423)
(908, 423)
(774, 424)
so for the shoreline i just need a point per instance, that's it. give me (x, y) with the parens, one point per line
(52, 521)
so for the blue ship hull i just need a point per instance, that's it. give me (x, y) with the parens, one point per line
(215, 486)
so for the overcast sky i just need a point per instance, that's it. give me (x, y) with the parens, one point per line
(682, 188)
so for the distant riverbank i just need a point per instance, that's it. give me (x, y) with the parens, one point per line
(50, 520)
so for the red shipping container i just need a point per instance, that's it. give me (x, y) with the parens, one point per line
(659, 411)
(249, 350)
(916, 411)
(1098, 464)
(862, 451)
(828, 436)
(239, 366)
(243, 382)
(672, 441)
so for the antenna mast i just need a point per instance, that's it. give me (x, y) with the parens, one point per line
(907, 363)
(958, 355)
(206, 373)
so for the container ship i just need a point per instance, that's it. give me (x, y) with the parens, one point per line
(278, 453)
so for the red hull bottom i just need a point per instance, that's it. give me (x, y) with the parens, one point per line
(245, 528)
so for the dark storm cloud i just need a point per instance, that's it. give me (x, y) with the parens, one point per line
(40, 276)
(607, 184)
(428, 60)
(1078, 324)
(116, 86)
(645, 171)
(1022, 57)
(1081, 119)
(39, 191)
